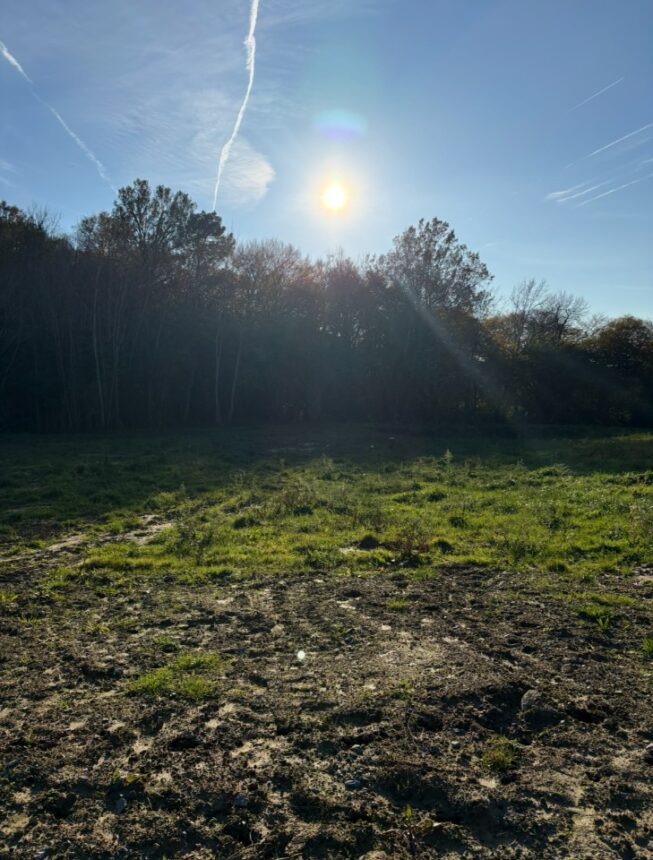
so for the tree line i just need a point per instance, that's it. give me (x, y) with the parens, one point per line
(151, 315)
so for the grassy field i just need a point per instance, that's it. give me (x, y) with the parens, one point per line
(143, 578)
(247, 503)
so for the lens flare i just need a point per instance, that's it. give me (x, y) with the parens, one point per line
(335, 197)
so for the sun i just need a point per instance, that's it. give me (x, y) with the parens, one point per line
(335, 197)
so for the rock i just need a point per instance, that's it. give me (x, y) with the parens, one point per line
(240, 801)
(531, 700)
(120, 805)
(648, 754)
(455, 745)
(538, 713)
(42, 854)
(353, 784)
(375, 855)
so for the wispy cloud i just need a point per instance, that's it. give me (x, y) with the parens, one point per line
(9, 57)
(618, 188)
(250, 65)
(620, 140)
(249, 177)
(565, 192)
(596, 94)
(576, 191)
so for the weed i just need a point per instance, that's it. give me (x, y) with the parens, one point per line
(647, 647)
(397, 605)
(7, 599)
(185, 677)
(599, 614)
(501, 755)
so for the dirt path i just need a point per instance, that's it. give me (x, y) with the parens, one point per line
(353, 717)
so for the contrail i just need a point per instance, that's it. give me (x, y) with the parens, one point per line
(618, 188)
(80, 143)
(250, 47)
(619, 140)
(573, 193)
(596, 95)
(9, 57)
(559, 195)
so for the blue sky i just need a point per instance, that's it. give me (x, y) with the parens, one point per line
(486, 113)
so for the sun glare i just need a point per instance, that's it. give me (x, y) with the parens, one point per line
(335, 197)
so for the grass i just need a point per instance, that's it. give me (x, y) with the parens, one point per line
(396, 605)
(189, 676)
(247, 502)
(600, 615)
(501, 756)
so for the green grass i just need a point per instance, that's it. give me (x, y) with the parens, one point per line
(189, 676)
(501, 756)
(353, 500)
(396, 605)
(600, 615)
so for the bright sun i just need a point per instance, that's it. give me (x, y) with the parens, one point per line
(335, 197)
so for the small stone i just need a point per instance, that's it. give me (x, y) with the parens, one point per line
(648, 754)
(353, 784)
(42, 854)
(455, 745)
(531, 700)
(121, 805)
(357, 749)
(240, 801)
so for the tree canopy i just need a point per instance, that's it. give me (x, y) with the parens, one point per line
(152, 315)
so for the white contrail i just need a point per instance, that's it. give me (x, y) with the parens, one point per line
(619, 140)
(250, 63)
(573, 193)
(596, 95)
(84, 148)
(559, 195)
(618, 188)
(9, 57)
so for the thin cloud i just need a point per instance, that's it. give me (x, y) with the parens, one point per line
(249, 177)
(596, 94)
(9, 57)
(250, 65)
(577, 191)
(620, 140)
(560, 195)
(618, 188)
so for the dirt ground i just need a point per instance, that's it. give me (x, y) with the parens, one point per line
(376, 717)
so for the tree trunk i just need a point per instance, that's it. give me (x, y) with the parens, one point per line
(234, 381)
(216, 389)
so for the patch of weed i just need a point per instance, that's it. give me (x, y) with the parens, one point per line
(501, 755)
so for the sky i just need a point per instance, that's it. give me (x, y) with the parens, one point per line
(528, 126)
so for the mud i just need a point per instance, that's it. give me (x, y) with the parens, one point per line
(374, 745)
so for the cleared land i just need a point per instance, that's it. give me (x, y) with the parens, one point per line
(328, 644)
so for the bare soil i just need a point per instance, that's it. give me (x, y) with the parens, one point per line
(374, 745)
